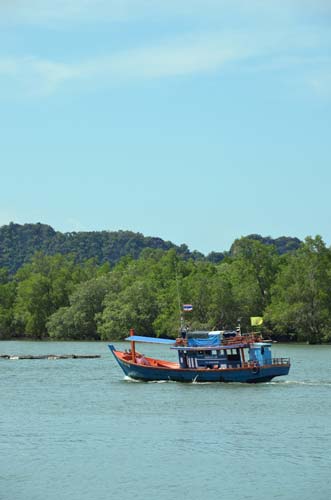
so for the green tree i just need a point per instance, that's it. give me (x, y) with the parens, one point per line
(7, 299)
(260, 262)
(145, 296)
(134, 307)
(79, 320)
(43, 286)
(225, 308)
(301, 296)
(196, 288)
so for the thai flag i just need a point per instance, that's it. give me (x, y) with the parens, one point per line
(187, 307)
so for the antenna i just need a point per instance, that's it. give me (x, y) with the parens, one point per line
(178, 297)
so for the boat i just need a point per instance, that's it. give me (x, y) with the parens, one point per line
(205, 357)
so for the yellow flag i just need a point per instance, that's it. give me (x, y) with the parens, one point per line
(256, 321)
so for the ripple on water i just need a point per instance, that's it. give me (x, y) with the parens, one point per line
(77, 430)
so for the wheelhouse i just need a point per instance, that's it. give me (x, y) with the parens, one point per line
(221, 350)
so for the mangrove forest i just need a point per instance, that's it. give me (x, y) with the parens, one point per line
(96, 286)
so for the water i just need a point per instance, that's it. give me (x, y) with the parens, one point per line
(76, 430)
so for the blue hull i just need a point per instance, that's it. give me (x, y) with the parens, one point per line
(247, 375)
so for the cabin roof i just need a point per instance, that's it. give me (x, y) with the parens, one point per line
(150, 340)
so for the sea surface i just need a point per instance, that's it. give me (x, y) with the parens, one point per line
(75, 429)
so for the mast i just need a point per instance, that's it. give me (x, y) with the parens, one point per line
(181, 316)
(238, 329)
(133, 346)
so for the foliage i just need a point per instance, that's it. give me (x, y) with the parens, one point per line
(59, 297)
(301, 295)
(283, 244)
(7, 299)
(78, 320)
(257, 266)
(18, 243)
(43, 286)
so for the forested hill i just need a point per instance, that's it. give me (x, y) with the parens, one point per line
(18, 243)
(283, 244)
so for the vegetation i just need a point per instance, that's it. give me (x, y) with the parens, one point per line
(18, 243)
(64, 296)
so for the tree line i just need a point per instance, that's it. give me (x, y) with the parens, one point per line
(58, 297)
(19, 242)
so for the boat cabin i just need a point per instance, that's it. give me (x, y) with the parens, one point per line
(220, 350)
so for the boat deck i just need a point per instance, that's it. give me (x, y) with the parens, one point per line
(141, 359)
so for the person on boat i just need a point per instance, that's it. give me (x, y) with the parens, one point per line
(183, 331)
(141, 360)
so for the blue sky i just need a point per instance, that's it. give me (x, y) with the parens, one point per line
(196, 121)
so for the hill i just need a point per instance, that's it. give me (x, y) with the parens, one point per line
(283, 244)
(19, 242)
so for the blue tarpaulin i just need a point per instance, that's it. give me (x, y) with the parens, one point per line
(212, 341)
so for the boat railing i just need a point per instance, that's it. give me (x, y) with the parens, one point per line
(245, 339)
(242, 339)
(274, 361)
(281, 361)
(250, 364)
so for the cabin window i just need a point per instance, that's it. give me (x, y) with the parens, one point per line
(234, 355)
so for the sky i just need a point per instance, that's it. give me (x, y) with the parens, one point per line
(198, 121)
